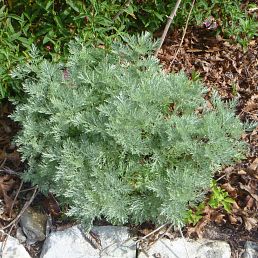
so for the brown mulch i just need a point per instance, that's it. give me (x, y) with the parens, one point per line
(10, 163)
(233, 72)
(220, 65)
(9, 157)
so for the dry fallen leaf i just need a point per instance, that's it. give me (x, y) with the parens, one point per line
(250, 203)
(249, 190)
(230, 189)
(250, 223)
(52, 206)
(7, 184)
(234, 219)
(254, 165)
(219, 218)
(198, 229)
(241, 172)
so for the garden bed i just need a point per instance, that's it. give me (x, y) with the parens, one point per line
(220, 65)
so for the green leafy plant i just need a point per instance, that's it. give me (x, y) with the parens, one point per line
(50, 25)
(13, 49)
(115, 136)
(231, 19)
(194, 215)
(195, 75)
(220, 197)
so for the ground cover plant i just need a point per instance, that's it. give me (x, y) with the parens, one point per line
(52, 24)
(115, 136)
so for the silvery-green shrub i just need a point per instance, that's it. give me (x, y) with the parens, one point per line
(117, 137)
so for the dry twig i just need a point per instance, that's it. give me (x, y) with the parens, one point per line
(153, 242)
(162, 235)
(14, 222)
(9, 171)
(25, 207)
(151, 233)
(184, 32)
(15, 198)
(5, 240)
(169, 21)
(2, 164)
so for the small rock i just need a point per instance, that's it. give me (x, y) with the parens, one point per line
(73, 244)
(251, 250)
(115, 242)
(20, 235)
(13, 249)
(33, 224)
(181, 248)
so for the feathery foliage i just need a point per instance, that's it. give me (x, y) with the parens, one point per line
(115, 136)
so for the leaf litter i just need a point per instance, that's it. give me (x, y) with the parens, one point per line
(233, 72)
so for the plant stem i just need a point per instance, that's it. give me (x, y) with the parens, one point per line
(169, 21)
(184, 32)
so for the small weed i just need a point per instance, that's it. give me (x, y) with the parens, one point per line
(234, 89)
(220, 198)
(193, 216)
(195, 76)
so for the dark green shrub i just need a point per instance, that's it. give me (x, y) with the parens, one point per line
(13, 48)
(52, 24)
(117, 137)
